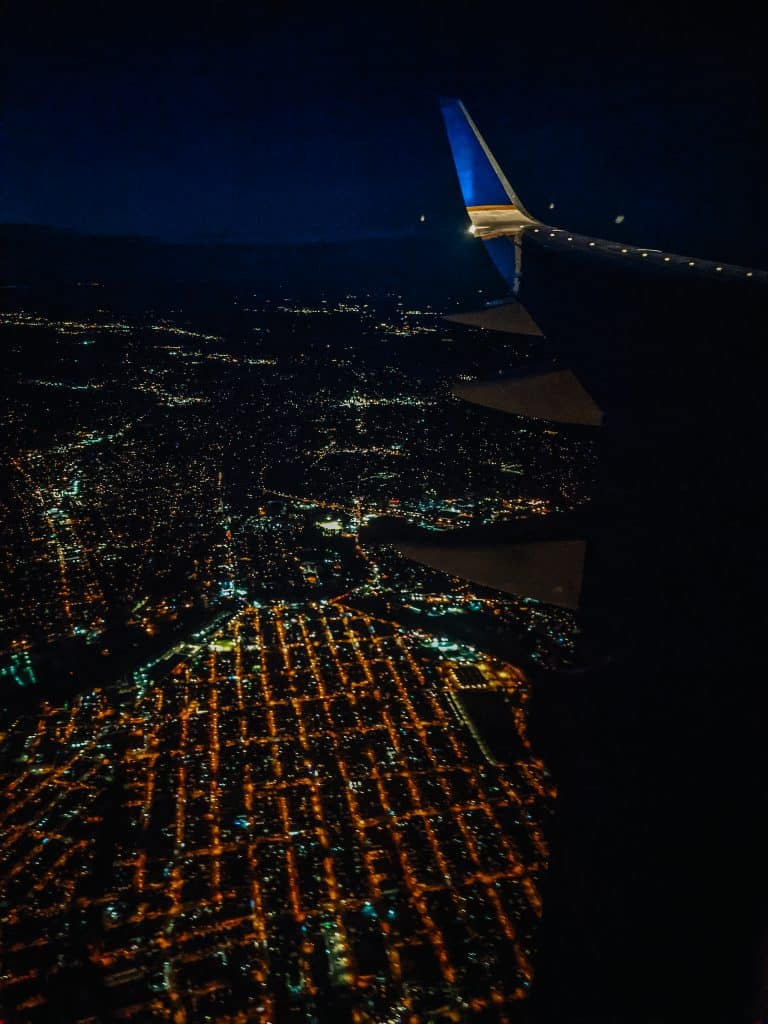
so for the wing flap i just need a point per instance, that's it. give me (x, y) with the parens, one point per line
(557, 396)
(509, 317)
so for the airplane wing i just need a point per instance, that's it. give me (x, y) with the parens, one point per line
(500, 220)
(552, 569)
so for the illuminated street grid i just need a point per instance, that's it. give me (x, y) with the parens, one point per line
(293, 816)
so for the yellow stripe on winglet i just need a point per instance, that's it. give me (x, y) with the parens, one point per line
(502, 206)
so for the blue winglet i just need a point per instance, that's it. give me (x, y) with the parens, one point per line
(480, 184)
(482, 181)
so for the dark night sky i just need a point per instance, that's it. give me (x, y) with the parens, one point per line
(260, 123)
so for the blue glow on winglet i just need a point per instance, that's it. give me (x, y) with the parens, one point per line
(480, 185)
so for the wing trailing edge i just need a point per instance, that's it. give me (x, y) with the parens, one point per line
(549, 571)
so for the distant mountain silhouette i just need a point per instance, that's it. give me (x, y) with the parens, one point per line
(40, 255)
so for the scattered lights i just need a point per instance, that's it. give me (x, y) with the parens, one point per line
(270, 747)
